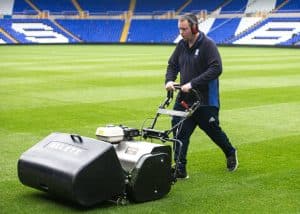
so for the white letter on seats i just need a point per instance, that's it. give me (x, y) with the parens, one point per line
(39, 33)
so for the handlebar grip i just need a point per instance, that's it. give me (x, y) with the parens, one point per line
(177, 86)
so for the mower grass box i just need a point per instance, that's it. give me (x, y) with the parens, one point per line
(88, 171)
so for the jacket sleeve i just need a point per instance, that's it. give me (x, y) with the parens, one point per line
(214, 66)
(173, 67)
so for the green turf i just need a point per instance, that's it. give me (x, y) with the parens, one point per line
(75, 89)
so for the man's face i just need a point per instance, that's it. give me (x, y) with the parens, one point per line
(185, 30)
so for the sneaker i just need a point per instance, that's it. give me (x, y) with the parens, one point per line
(232, 162)
(180, 174)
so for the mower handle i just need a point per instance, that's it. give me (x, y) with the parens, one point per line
(169, 99)
(171, 93)
(178, 87)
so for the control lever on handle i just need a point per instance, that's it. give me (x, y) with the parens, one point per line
(184, 105)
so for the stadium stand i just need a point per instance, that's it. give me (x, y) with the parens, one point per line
(224, 27)
(294, 40)
(254, 6)
(35, 31)
(198, 5)
(234, 6)
(280, 2)
(104, 6)
(246, 23)
(4, 39)
(230, 22)
(146, 6)
(94, 30)
(272, 31)
(22, 7)
(54, 6)
(290, 6)
(154, 34)
(6, 7)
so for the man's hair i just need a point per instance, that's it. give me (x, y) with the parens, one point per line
(192, 20)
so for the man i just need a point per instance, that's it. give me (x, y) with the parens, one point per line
(198, 61)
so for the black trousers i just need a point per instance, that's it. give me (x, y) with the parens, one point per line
(207, 119)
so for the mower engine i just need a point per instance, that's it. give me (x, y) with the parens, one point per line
(147, 165)
(110, 133)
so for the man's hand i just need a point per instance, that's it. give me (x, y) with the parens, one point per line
(186, 87)
(170, 86)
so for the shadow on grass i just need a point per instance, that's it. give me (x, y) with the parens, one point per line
(46, 199)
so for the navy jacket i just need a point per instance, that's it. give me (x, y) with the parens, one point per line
(201, 65)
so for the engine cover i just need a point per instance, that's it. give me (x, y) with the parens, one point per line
(148, 166)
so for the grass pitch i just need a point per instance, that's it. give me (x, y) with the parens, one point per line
(75, 89)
